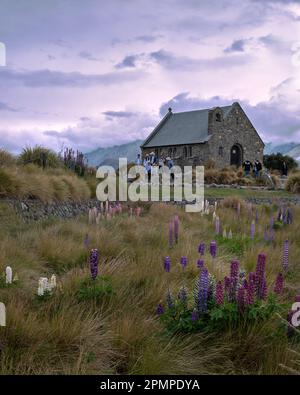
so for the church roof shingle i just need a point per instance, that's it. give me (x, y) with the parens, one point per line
(187, 127)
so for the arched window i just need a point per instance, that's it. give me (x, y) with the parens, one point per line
(174, 151)
(190, 151)
(218, 117)
(221, 151)
(185, 153)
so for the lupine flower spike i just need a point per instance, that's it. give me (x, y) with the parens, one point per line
(171, 234)
(183, 261)
(94, 263)
(176, 228)
(285, 262)
(279, 284)
(9, 275)
(167, 264)
(213, 249)
(200, 264)
(201, 248)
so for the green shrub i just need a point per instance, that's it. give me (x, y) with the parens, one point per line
(218, 318)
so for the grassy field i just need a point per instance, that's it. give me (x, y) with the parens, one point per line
(246, 193)
(112, 327)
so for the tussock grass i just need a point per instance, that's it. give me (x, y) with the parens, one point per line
(120, 332)
(30, 181)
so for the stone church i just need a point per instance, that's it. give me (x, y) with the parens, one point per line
(222, 134)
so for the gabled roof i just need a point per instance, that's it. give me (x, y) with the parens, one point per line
(188, 127)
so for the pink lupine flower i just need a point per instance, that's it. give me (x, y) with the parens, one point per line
(171, 234)
(251, 289)
(176, 228)
(279, 284)
(285, 261)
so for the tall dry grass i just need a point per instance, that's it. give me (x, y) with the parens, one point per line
(121, 333)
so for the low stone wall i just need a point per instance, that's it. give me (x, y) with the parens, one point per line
(34, 210)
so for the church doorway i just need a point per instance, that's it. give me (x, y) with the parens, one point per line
(236, 155)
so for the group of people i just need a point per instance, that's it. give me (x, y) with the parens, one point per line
(153, 164)
(256, 167)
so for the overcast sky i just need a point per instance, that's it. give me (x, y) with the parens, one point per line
(90, 73)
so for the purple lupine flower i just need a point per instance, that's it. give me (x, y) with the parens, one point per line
(159, 309)
(227, 284)
(234, 279)
(217, 226)
(94, 259)
(201, 292)
(251, 288)
(213, 249)
(279, 284)
(183, 296)
(264, 291)
(183, 261)
(245, 283)
(285, 260)
(170, 300)
(176, 228)
(241, 298)
(167, 264)
(261, 276)
(194, 316)
(252, 230)
(219, 293)
(171, 234)
(201, 248)
(200, 264)
(289, 219)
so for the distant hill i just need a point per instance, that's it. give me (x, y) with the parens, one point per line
(110, 156)
(290, 149)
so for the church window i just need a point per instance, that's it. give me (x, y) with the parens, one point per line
(190, 151)
(221, 151)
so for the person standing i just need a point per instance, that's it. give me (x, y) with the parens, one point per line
(148, 170)
(138, 160)
(247, 165)
(284, 168)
